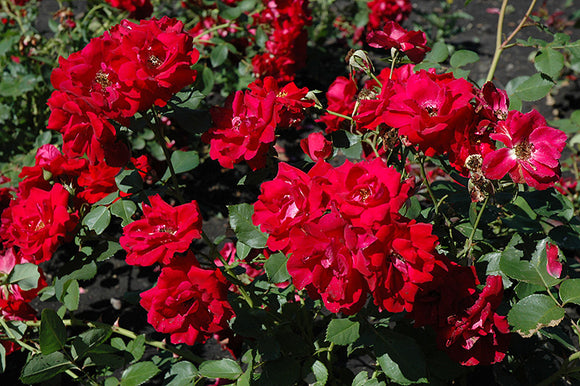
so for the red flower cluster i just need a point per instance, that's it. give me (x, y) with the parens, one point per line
(344, 234)
(345, 239)
(126, 70)
(442, 115)
(244, 130)
(384, 10)
(188, 302)
(140, 9)
(284, 22)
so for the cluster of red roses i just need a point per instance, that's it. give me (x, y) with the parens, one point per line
(126, 70)
(345, 239)
(283, 22)
(188, 302)
(442, 115)
(244, 130)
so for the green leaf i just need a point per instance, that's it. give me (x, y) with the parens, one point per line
(124, 209)
(14, 87)
(129, 181)
(218, 55)
(208, 80)
(72, 296)
(224, 368)
(462, 57)
(533, 271)
(276, 269)
(44, 367)
(25, 275)
(550, 203)
(570, 291)
(98, 219)
(139, 373)
(182, 161)
(241, 222)
(342, 331)
(181, 374)
(320, 373)
(439, 52)
(400, 358)
(362, 379)
(534, 88)
(534, 312)
(52, 332)
(136, 347)
(89, 340)
(549, 62)
(2, 359)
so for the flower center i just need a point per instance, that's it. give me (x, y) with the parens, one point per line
(431, 110)
(102, 78)
(154, 61)
(524, 150)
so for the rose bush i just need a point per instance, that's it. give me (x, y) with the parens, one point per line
(372, 221)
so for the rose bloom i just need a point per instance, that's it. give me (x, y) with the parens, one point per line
(477, 335)
(97, 182)
(531, 153)
(244, 130)
(39, 223)
(428, 108)
(288, 201)
(163, 231)
(412, 43)
(188, 302)
(290, 102)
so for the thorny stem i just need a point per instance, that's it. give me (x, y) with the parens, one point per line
(375, 79)
(212, 29)
(469, 243)
(499, 46)
(339, 115)
(427, 184)
(158, 130)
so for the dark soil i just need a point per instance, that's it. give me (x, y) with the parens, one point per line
(113, 295)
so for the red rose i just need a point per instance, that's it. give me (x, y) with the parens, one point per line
(188, 302)
(97, 182)
(163, 231)
(428, 108)
(243, 132)
(477, 335)
(412, 43)
(39, 223)
(531, 153)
